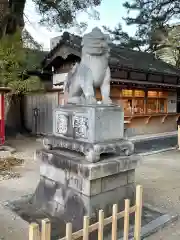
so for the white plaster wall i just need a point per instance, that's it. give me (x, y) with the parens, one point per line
(172, 102)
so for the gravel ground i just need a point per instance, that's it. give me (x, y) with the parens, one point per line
(12, 226)
(159, 175)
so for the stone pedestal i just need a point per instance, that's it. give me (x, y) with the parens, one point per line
(91, 130)
(87, 164)
(70, 187)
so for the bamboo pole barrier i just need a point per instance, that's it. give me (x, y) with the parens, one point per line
(114, 222)
(34, 231)
(68, 231)
(126, 219)
(46, 230)
(86, 228)
(138, 213)
(101, 225)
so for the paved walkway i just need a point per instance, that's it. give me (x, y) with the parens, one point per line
(159, 174)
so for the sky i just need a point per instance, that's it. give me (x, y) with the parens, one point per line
(111, 13)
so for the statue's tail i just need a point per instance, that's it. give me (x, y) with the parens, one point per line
(69, 78)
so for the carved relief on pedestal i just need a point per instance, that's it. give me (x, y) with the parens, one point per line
(80, 125)
(61, 124)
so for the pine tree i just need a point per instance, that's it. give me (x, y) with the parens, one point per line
(56, 13)
(152, 19)
(154, 32)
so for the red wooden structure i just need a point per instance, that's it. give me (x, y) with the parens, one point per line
(3, 91)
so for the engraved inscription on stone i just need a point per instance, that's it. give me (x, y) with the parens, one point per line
(80, 125)
(61, 124)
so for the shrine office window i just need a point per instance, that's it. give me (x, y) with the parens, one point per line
(156, 102)
(127, 101)
(133, 101)
(136, 102)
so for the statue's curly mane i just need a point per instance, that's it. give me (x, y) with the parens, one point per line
(95, 43)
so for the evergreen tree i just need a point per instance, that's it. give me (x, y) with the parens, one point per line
(169, 47)
(152, 19)
(154, 33)
(56, 13)
(13, 61)
(118, 36)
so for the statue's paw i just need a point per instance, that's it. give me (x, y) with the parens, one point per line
(90, 100)
(107, 101)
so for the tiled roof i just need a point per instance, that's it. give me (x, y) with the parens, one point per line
(140, 61)
(121, 57)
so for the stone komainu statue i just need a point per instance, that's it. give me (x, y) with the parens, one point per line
(92, 72)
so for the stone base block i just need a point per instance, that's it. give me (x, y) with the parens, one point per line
(86, 179)
(71, 187)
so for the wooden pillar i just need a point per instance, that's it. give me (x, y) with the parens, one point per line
(178, 126)
(145, 100)
(179, 137)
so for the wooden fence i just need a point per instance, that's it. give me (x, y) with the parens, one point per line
(34, 233)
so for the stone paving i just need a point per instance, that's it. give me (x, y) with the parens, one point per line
(159, 175)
